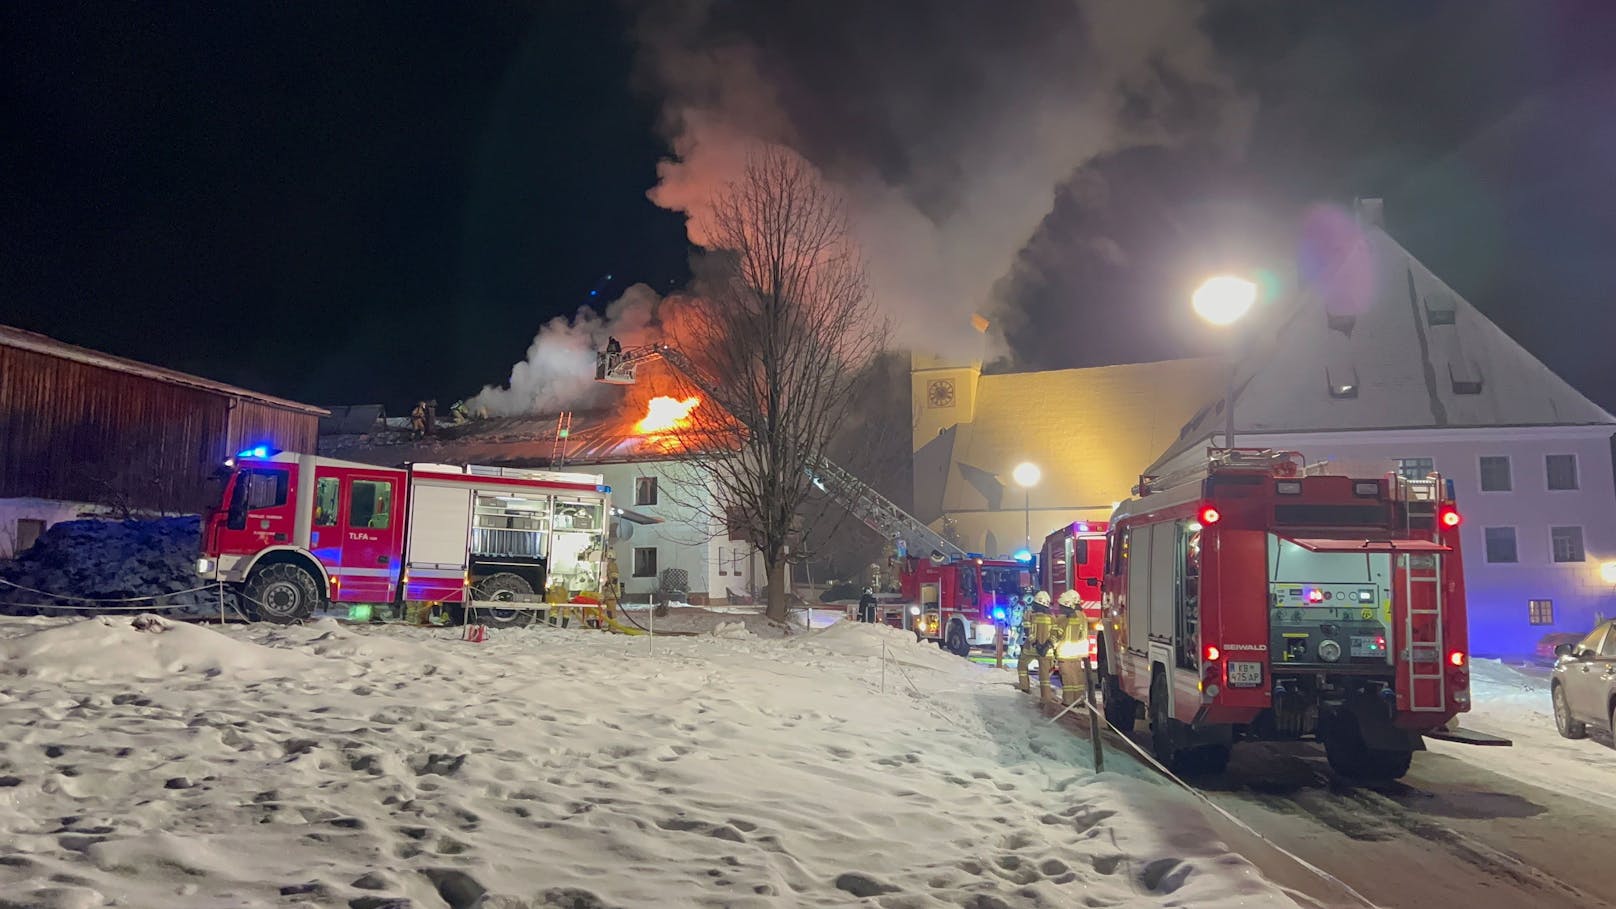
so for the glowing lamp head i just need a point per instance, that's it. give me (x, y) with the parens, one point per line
(1212, 653)
(1026, 474)
(1450, 517)
(1023, 556)
(1210, 515)
(1224, 300)
(999, 614)
(1607, 572)
(1456, 658)
(257, 451)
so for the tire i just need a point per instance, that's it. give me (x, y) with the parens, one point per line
(1351, 757)
(499, 587)
(1163, 740)
(1121, 711)
(955, 641)
(282, 594)
(1568, 727)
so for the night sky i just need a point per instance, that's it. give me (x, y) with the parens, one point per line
(346, 203)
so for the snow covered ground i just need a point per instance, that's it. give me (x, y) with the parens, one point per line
(1516, 706)
(181, 766)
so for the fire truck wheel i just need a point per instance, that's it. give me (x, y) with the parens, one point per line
(1121, 711)
(1163, 736)
(1563, 721)
(497, 587)
(957, 643)
(282, 594)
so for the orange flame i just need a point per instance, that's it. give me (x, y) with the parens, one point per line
(665, 413)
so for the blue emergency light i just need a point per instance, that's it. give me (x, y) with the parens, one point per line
(998, 613)
(259, 451)
(1023, 556)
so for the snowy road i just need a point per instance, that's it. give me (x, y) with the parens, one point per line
(1531, 825)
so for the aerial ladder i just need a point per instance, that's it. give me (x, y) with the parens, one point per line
(619, 366)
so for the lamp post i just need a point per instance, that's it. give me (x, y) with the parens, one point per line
(1027, 476)
(1223, 301)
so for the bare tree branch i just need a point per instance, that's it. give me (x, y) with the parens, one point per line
(783, 333)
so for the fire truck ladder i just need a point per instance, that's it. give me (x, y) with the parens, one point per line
(860, 499)
(1422, 592)
(558, 449)
(1422, 631)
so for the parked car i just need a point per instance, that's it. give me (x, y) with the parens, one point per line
(1583, 684)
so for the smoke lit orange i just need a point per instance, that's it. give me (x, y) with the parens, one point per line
(665, 413)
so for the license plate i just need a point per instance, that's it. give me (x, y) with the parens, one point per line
(1245, 675)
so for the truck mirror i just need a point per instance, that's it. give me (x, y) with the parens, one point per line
(237, 516)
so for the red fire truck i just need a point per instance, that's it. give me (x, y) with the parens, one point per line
(1073, 558)
(1250, 597)
(956, 601)
(296, 532)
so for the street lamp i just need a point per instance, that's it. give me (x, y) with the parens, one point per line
(1027, 476)
(1607, 572)
(1224, 300)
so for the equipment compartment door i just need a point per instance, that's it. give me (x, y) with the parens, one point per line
(369, 540)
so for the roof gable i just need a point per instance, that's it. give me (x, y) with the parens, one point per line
(1405, 352)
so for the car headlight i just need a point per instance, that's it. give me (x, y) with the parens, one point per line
(205, 566)
(1072, 650)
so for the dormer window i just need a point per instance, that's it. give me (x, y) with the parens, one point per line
(1342, 384)
(1440, 312)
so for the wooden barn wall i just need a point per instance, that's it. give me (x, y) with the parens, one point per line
(252, 424)
(83, 433)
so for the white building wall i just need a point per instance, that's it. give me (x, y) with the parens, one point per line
(687, 538)
(1498, 593)
(15, 511)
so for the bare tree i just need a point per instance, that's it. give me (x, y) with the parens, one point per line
(782, 333)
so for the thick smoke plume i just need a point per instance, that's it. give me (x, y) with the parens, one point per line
(559, 371)
(948, 125)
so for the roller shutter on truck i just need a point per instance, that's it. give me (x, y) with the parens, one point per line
(440, 519)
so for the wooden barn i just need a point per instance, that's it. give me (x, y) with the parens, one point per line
(82, 431)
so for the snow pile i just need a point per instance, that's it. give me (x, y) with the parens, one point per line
(571, 768)
(1517, 706)
(874, 640)
(124, 648)
(731, 630)
(108, 560)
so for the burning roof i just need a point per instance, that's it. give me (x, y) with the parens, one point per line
(659, 429)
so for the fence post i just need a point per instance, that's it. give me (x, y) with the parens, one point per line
(221, 604)
(1094, 716)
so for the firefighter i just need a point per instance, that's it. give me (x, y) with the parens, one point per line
(866, 607)
(1037, 640)
(1073, 646)
(418, 419)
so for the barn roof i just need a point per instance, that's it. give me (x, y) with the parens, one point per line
(1383, 343)
(42, 344)
(351, 419)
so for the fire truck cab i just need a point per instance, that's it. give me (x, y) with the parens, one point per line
(296, 532)
(958, 602)
(1073, 558)
(1252, 598)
